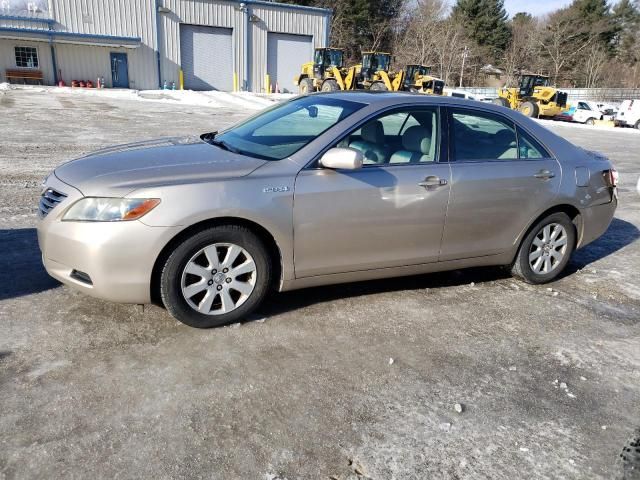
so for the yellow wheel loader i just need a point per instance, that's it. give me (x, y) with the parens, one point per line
(418, 78)
(327, 72)
(534, 97)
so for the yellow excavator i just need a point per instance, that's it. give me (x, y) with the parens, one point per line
(534, 97)
(327, 65)
(327, 73)
(418, 78)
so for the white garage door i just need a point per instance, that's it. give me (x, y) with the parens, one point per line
(206, 57)
(285, 55)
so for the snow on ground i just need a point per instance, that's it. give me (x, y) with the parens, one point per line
(214, 99)
(234, 100)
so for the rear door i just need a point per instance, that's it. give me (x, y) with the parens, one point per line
(501, 178)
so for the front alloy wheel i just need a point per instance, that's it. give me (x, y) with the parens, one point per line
(216, 276)
(218, 279)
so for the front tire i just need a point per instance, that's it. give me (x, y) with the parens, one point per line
(216, 277)
(330, 85)
(530, 109)
(590, 121)
(306, 86)
(378, 87)
(545, 251)
(503, 102)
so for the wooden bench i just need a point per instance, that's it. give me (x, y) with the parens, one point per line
(24, 75)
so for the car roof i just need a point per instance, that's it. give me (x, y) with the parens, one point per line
(384, 99)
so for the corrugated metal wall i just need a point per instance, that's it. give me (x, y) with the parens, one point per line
(137, 18)
(127, 18)
(281, 20)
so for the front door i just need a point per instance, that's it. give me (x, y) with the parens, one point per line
(501, 178)
(119, 70)
(389, 213)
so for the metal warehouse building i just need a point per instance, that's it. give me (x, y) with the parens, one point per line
(249, 45)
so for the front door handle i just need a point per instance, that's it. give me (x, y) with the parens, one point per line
(544, 175)
(433, 182)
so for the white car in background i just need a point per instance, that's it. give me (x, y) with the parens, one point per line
(588, 112)
(629, 114)
(448, 92)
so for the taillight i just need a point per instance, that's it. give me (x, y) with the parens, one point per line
(611, 177)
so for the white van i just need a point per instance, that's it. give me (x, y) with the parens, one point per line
(629, 114)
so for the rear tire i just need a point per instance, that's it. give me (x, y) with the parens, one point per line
(330, 85)
(590, 121)
(306, 86)
(638, 125)
(378, 87)
(530, 109)
(545, 251)
(200, 298)
(501, 101)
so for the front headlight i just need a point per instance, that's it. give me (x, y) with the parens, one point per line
(94, 209)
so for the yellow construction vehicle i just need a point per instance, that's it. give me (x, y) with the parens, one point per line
(418, 78)
(534, 97)
(327, 68)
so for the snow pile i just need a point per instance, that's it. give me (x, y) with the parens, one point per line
(554, 123)
(6, 86)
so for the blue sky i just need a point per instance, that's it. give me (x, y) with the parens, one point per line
(534, 7)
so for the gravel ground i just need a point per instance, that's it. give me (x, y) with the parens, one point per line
(548, 381)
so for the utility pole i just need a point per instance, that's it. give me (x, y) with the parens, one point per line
(464, 57)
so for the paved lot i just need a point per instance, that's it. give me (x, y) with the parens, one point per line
(549, 380)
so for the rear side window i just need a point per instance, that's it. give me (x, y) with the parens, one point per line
(482, 136)
(528, 147)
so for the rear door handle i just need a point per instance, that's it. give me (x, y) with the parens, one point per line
(433, 182)
(544, 175)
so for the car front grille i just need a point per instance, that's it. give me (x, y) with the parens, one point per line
(48, 201)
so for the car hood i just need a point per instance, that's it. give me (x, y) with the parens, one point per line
(119, 170)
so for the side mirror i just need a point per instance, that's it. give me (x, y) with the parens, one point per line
(342, 159)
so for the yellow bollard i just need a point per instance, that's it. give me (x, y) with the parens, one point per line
(267, 86)
(181, 80)
(235, 82)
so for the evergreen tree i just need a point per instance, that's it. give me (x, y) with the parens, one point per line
(486, 23)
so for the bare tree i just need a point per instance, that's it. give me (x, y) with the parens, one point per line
(562, 40)
(593, 64)
(522, 52)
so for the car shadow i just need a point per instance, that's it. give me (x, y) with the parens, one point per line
(620, 234)
(21, 269)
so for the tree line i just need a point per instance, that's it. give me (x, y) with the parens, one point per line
(580, 45)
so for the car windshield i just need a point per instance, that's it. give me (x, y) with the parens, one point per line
(283, 130)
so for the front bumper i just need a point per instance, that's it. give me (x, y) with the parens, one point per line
(117, 256)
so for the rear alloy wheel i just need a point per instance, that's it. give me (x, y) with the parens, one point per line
(330, 85)
(590, 121)
(306, 86)
(378, 87)
(216, 277)
(546, 250)
(530, 109)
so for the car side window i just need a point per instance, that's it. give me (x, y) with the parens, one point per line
(482, 136)
(406, 136)
(583, 106)
(529, 148)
